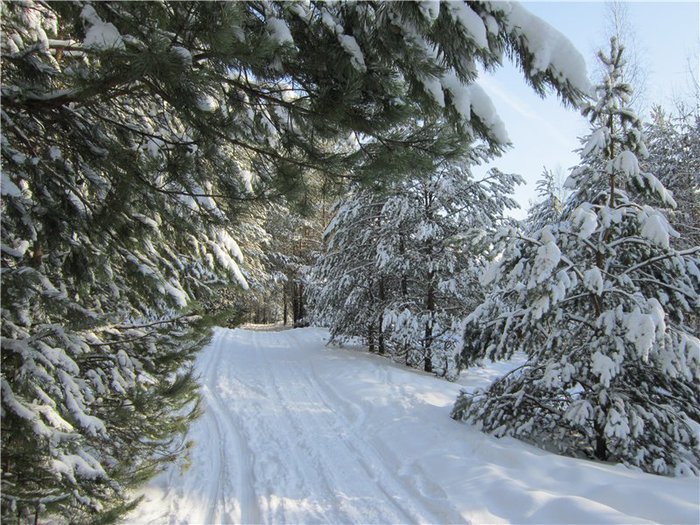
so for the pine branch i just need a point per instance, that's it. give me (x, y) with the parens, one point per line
(690, 251)
(155, 323)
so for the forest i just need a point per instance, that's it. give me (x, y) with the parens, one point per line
(171, 167)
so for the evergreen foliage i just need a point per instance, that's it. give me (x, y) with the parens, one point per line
(400, 271)
(600, 303)
(138, 138)
(435, 233)
(292, 240)
(380, 279)
(550, 205)
(674, 156)
(344, 284)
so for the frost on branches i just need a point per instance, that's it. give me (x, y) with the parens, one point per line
(435, 234)
(674, 157)
(600, 302)
(137, 136)
(400, 271)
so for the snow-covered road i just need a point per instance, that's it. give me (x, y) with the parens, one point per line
(294, 432)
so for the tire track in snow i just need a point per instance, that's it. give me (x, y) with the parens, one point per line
(244, 508)
(339, 429)
(412, 477)
(297, 472)
(275, 445)
(319, 458)
(212, 415)
(317, 480)
(408, 498)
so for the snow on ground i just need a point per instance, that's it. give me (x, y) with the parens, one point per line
(296, 432)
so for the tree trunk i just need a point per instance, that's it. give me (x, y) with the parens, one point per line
(428, 339)
(298, 310)
(295, 304)
(404, 285)
(382, 300)
(601, 447)
(428, 362)
(285, 310)
(430, 294)
(427, 348)
(404, 279)
(302, 309)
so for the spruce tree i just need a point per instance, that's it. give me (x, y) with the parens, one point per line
(600, 303)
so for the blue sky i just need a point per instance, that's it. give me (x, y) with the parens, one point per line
(543, 132)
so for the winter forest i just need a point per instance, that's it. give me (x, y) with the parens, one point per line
(172, 171)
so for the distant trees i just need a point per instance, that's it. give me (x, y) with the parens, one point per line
(674, 156)
(294, 238)
(400, 271)
(601, 302)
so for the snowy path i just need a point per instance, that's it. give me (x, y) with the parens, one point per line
(293, 432)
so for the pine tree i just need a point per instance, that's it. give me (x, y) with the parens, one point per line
(400, 271)
(355, 303)
(599, 301)
(137, 138)
(345, 288)
(434, 232)
(107, 235)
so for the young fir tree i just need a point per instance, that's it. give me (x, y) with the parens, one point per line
(130, 133)
(599, 301)
(550, 205)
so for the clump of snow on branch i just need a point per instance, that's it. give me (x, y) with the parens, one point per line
(100, 34)
(279, 31)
